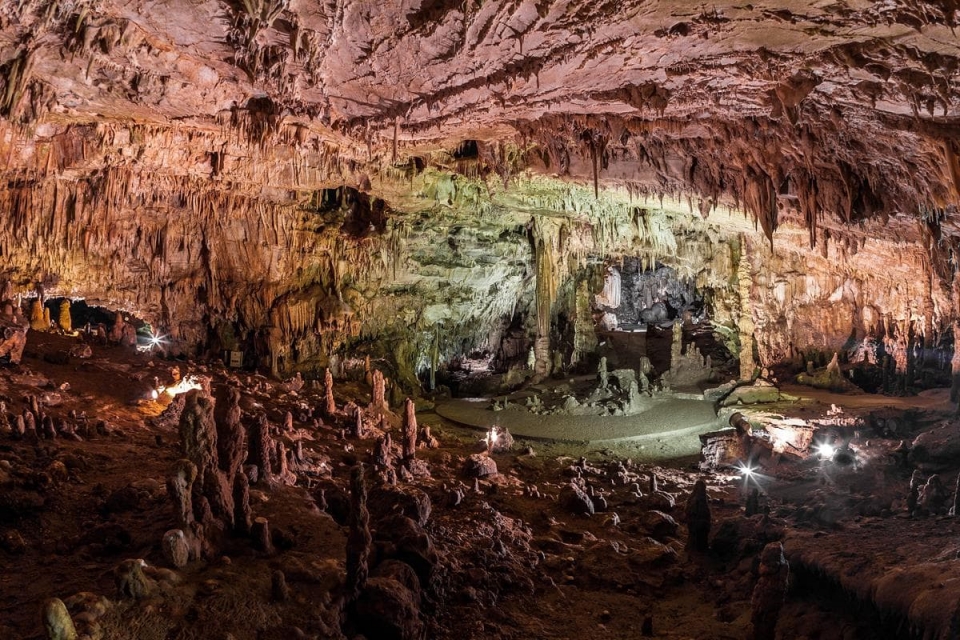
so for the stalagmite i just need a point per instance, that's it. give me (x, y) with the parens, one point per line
(231, 436)
(260, 534)
(379, 402)
(198, 443)
(128, 335)
(753, 503)
(913, 496)
(427, 439)
(261, 446)
(698, 518)
(180, 488)
(331, 404)
(358, 431)
(381, 452)
(359, 540)
(409, 430)
(37, 322)
(19, 427)
(116, 331)
(64, 319)
(769, 594)
(242, 516)
(283, 472)
(279, 590)
(47, 429)
(30, 424)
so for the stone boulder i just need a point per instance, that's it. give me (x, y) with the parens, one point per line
(387, 500)
(717, 394)
(400, 538)
(658, 525)
(57, 621)
(575, 500)
(657, 501)
(480, 466)
(937, 449)
(388, 610)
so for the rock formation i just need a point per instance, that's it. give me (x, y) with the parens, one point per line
(379, 399)
(57, 622)
(359, 540)
(261, 447)
(330, 403)
(63, 317)
(698, 518)
(409, 431)
(769, 593)
(38, 321)
(198, 442)
(231, 436)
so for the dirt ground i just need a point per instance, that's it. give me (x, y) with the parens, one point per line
(508, 555)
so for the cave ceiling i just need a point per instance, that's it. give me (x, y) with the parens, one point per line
(844, 108)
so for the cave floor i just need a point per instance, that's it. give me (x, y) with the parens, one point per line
(512, 559)
(666, 421)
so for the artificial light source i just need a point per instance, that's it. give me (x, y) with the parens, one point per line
(825, 450)
(153, 340)
(746, 471)
(187, 384)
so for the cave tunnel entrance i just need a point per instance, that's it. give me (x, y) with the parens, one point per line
(87, 318)
(637, 309)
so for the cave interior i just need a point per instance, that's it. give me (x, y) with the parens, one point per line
(479, 319)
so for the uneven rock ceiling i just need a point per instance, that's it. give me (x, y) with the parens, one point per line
(166, 157)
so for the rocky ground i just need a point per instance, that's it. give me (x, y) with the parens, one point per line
(547, 541)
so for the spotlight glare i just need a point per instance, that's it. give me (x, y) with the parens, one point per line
(825, 450)
(746, 471)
